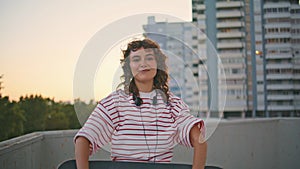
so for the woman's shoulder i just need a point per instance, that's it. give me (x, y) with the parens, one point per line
(175, 100)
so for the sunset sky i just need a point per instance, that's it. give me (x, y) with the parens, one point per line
(41, 41)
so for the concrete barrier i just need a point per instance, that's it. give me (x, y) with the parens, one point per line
(235, 144)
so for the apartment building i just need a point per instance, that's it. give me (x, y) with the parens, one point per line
(281, 24)
(255, 66)
(225, 23)
(178, 40)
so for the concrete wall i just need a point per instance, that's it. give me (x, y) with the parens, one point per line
(235, 144)
(253, 144)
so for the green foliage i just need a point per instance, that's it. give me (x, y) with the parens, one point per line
(35, 113)
(56, 121)
(36, 109)
(11, 119)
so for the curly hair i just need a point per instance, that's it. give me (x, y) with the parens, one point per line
(160, 82)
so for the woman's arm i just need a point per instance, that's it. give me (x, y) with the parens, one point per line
(82, 152)
(200, 148)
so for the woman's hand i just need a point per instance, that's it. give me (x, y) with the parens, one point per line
(82, 152)
(200, 147)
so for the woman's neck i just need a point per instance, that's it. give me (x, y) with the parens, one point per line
(144, 87)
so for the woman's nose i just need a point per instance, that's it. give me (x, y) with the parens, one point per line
(143, 62)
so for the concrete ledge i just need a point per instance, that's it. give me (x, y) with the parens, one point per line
(19, 142)
(239, 143)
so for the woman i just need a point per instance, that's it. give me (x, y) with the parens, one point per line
(145, 121)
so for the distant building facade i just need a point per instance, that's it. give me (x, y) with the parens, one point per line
(258, 46)
(269, 84)
(225, 23)
(281, 53)
(179, 41)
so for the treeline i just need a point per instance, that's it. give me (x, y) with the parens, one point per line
(36, 113)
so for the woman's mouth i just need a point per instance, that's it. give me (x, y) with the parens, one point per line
(145, 70)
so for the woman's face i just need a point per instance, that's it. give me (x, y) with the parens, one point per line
(143, 65)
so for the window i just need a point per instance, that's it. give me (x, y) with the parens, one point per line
(235, 71)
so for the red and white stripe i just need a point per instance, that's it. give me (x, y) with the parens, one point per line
(139, 133)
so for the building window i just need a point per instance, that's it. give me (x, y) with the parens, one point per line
(235, 71)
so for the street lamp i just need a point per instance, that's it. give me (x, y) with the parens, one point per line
(258, 52)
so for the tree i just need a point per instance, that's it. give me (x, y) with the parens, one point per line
(69, 110)
(36, 113)
(11, 119)
(62, 116)
(1, 87)
(57, 121)
(35, 110)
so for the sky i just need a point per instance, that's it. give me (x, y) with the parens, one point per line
(41, 41)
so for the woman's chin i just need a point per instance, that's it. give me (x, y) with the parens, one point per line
(143, 79)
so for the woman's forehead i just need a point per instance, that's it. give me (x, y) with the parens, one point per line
(142, 51)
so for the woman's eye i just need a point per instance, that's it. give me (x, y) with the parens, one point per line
(150, 58)
(136, 60)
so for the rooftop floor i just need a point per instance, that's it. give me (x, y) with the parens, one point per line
(234, 144)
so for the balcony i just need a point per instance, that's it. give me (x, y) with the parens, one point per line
(242, 143)
(230, 35)
(234, 65)
(233, 76)
(199, 6)
(279, 76)
(297, 86)
(278, 25)
(280, 97)
(277, 35)
(279, 66)
(277, 15)
(230, 14)
(278, 45)
(235, 54)
(230, 24)
(229, 4)
(281, 108)
(296, 77)
(279, 56)
(230, 45)
(280, 86)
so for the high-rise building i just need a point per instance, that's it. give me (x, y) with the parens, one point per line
(267, 82)
(258, 47)
(281, 54)
(225, 24)
(178, 40)
(188, 49)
